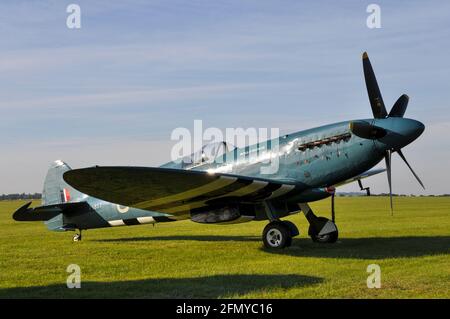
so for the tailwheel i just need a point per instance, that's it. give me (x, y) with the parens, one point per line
(277, 234)
(77, 237)
(323, 231)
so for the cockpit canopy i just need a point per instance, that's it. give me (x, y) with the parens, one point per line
(207, 154)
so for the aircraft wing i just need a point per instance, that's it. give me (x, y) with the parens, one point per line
(172, 191)
(361, 176)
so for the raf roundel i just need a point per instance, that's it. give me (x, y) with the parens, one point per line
(122, 209)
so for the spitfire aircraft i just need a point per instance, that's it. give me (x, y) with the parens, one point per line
(226, 189)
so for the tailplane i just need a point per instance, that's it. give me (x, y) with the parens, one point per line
(60, 201)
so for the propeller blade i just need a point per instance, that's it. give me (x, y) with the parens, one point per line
(366, 130)
(399, 108)
(387, 158)
(375, 98)
(412, 171)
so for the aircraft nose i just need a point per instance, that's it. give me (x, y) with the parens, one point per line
(401, 132)
(412, 129)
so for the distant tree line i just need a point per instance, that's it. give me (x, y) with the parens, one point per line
(20, 196)
(351, 194)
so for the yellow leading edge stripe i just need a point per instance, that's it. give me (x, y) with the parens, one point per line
(255, 186)
(219, 183)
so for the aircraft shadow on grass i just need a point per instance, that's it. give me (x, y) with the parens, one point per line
(370, 248)
(362, 248)
(199, 287)
(184, 237)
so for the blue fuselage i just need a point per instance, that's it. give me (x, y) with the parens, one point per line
(318, 157)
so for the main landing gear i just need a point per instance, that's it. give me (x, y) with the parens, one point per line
(321, 229)
(278, 233)
(77, 237)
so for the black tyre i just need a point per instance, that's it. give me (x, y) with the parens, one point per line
(329, 238)
(276, 235)
(292, 228)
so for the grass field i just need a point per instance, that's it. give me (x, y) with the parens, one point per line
(185, 259)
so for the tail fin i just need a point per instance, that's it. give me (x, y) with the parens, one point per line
(56, 190)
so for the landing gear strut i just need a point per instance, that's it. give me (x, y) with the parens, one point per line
(321, 229)
(77, 237)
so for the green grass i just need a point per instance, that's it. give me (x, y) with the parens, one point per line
(185, 259)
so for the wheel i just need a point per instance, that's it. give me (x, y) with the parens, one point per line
(77, 237)
(292, 228)
(328, 238)
(314, 231)
(276, 235)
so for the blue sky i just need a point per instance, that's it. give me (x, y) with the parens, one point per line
(112, 92)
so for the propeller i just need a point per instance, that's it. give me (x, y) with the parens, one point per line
(399, 108)
(387, 159)
(375, 98)
(369, 131)
(399, 152)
